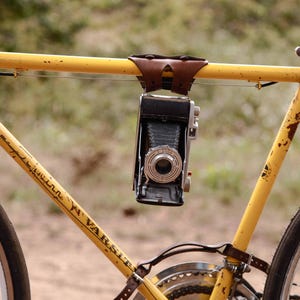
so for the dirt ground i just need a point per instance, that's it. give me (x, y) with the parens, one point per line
(63, 264)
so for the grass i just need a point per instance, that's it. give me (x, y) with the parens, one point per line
(225, 160)
(78, 119)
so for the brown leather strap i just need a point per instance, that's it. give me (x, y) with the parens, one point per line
(246, 258)
(132, 283)
(225, 249)
(183, 68)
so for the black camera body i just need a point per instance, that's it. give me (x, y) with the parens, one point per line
(166, 126)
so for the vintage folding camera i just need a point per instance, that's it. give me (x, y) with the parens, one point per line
(166, 126)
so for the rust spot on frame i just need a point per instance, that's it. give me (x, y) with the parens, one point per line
(292, 129)
(266, 172)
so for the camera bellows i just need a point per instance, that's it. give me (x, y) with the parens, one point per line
(161, 133)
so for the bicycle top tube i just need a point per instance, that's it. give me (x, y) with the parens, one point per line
(98, 65)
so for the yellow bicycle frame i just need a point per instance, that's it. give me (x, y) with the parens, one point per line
(256, 73)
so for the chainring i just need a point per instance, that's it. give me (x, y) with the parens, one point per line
(194, 281)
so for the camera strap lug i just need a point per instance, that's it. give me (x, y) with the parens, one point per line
(183, 68)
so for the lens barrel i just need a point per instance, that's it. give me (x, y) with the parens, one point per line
(163, 164)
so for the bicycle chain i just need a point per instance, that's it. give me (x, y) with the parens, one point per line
(188, 290)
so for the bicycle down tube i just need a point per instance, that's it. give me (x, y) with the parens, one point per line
(23, 62)
(71, 208)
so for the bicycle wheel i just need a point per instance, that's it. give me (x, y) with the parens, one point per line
(14, 282)
(283, 281)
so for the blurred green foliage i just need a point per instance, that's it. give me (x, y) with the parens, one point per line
(77, 114)
(44, 26)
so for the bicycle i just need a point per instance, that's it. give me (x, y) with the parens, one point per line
(165, 168)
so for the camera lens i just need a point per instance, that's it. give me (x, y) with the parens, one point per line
(163, 166)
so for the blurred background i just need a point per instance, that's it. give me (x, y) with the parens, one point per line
(83, 129)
